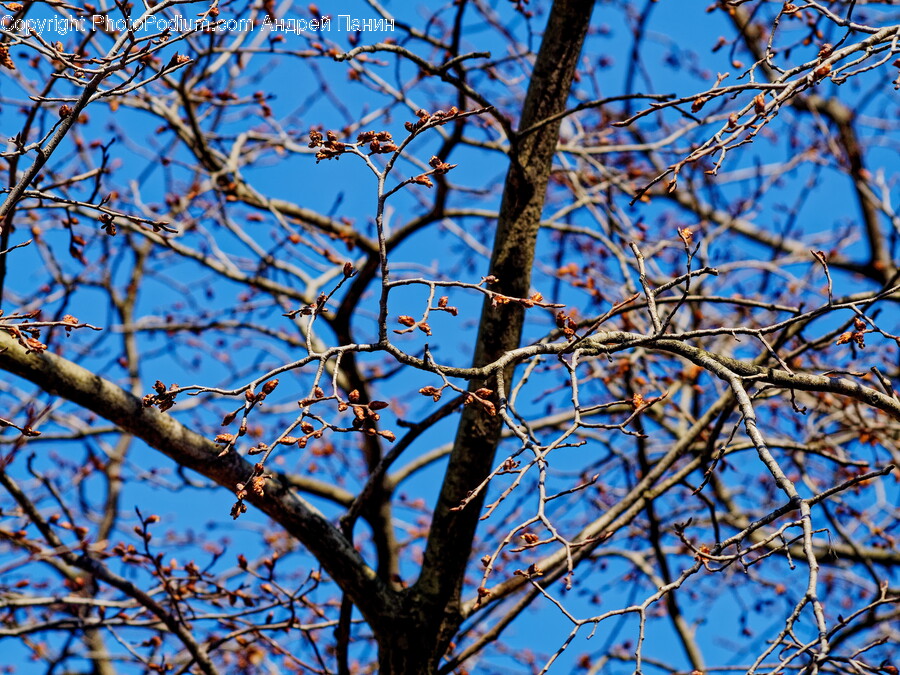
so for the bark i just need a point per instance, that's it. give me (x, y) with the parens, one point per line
(413, 628)
(431, 613)
(61, 377)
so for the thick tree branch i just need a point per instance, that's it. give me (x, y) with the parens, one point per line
(62, 377)
(449, 541)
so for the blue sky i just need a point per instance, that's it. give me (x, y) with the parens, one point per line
(676, 58)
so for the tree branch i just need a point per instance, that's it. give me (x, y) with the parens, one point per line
(62, 377)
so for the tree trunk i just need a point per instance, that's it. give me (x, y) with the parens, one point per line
(420, 639)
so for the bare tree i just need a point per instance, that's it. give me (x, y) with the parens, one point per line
(498, 342)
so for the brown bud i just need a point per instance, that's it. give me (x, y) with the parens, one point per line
(822, 71)
(759, 103)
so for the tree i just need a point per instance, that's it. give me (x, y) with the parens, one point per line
(616, 361)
